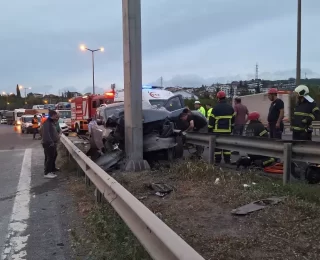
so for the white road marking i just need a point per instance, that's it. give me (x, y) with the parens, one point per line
(16, 241)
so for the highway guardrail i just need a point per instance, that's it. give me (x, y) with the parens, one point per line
(287, 150)
(161, 242)
(315, 126)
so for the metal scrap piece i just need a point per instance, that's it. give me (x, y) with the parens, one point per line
(257, 205)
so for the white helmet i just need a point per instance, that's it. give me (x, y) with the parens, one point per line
(303, 91)
(197, 102)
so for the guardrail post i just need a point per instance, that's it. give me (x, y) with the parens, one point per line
(287, 155)
(212, 146)
(99, 196)
(87, 180)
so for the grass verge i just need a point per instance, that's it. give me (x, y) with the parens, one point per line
(101, 234)
(200, 207)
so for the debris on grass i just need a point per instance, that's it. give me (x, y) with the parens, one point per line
(256, 205)
(199, 211)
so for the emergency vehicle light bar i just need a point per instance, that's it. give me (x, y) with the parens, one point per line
(150, 87)
(109, 94)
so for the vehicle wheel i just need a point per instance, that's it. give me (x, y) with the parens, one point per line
(170, 154)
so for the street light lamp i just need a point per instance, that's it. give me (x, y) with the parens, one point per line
(84, 48)
(7, 95)
(25, 92)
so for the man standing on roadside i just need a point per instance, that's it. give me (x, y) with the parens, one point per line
(43, 118)
(276, 114)
(241, 112)
(200, 108)
(209, 111)
(50, 138)
(35, 126)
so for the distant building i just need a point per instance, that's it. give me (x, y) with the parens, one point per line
(37, 95)
(75, 94)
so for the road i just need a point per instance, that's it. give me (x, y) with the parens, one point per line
(33, 223)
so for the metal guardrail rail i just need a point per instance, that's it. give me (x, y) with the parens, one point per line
(287, 150)
(315, 125)
(161, 242)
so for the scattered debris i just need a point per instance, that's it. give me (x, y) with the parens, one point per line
(109, 160)
(161, 189)
(217, 181)
(249, 185)
(256, 205)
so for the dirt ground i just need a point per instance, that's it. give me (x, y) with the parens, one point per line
(199, 211)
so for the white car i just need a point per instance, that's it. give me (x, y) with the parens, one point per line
(64, 127)
(3, 121)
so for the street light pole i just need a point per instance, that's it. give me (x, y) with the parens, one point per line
(132, 64)
(93, 87)
(25, 93)
(298, 67)
(84, 48)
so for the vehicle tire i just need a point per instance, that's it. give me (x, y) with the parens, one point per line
(170, 154)
(22, 131)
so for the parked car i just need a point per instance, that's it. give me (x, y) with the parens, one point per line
(3, 120)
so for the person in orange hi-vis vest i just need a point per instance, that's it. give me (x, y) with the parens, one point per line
(35, 126)
(43, 118)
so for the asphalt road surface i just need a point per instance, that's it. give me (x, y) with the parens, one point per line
(33, 224)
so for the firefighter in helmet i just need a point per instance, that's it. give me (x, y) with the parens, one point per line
(305, 112)
(256, 128)
(221, 121)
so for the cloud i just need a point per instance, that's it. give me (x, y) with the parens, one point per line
(188, 80)
(211, 39)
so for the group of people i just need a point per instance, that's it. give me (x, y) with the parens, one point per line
(50, 133)
(226, 119)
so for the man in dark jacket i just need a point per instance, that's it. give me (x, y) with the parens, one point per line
(193, 121)
(50, 138)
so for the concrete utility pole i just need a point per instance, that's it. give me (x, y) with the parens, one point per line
(298, 68)
(132, 62)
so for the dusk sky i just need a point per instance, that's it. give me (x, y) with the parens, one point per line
(188, 43)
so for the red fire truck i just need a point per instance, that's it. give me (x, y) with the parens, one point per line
(84, 107)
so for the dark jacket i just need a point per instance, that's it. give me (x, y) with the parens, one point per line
(304, 113)
(256, 128)
(49, 132)
(222, 118)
